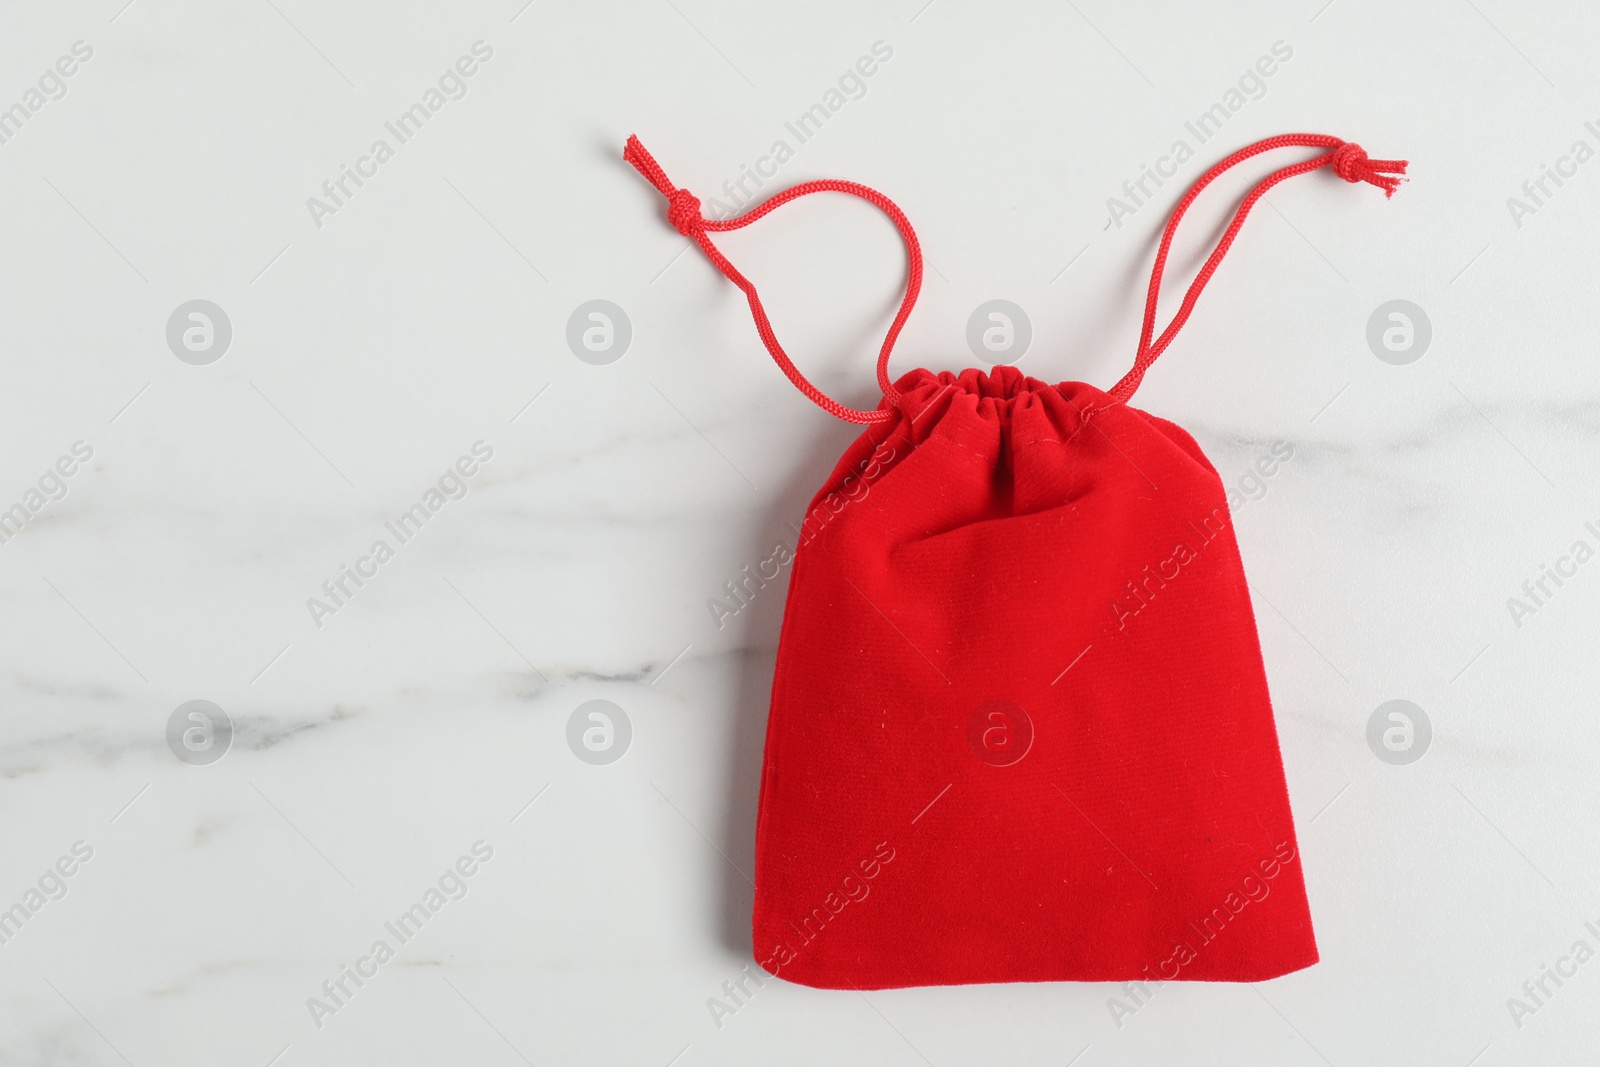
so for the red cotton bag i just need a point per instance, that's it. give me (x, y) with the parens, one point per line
(1020, 729)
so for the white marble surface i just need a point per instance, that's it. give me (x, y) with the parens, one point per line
(372, 351)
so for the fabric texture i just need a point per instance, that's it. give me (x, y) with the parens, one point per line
(1069, 565)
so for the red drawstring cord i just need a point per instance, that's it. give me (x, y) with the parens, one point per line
(1349, 161)
(683, 212)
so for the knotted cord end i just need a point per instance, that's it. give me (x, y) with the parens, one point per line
(683, 207)
(1350, 162)
(683, 211)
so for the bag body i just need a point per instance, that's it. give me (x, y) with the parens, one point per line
(1020, 727)
(1028, 630)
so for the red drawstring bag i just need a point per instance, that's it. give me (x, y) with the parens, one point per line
(1020, 728)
